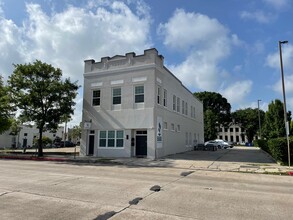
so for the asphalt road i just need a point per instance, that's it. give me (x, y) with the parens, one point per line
(51, 190)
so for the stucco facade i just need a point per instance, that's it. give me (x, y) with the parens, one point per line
(134, 106)
(233, 133)
(26, 136)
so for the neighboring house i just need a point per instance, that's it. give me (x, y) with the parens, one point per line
(233, 133)
(134, 106)
(26, 136)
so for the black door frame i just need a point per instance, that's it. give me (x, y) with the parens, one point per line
(146, 147)
(91, 144)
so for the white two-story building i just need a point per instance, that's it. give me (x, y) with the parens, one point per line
(134, 106)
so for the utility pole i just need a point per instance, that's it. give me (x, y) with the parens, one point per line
(284, 96)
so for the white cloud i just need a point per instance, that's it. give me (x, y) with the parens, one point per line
(258, 16)
(262, 105)
(289, 103)
(236, 92)
(288, 80)
(195, 72)
(66, 38)
(206, 42)
(278, 4)
(184, 30)
(273, 59)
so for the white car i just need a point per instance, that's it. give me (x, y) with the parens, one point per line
(218, 144)
(224, 144)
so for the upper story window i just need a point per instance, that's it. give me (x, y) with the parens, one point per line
(183, 106)
(172, 127)
(96, 97)
(139, 94)
(165, 125)
(165, 98)
(116, 96)
(191, 111)
(186, 108)
(237, 129)
(178, 104)
(174, 102)
(231, 129)
(159, 95)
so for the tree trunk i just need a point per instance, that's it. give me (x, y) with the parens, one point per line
(40, 147)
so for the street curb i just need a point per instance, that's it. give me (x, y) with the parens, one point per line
(9, 157)
(61, 159)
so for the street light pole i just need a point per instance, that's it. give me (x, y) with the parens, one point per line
(284, 96)
(259, 124)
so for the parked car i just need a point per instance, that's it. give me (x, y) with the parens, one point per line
(214, 143)
(66, 144)
(221, 144)
(224, 144)
(230, 144)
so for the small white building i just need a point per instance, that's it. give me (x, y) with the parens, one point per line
(26, 136)
(134, 106)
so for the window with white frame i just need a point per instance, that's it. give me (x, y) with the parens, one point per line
(183, 105)
(178, 104)
(159, 95)
(172, 127)
(139, 94)
(103, 139)
(178, 128)
(111, 139)
(96, 97)
(165, 126)
(165, 98)
(116, 96)
(191, 111)
(119, 138)
(174, 103)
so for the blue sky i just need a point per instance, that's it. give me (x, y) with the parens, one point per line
(227, 46)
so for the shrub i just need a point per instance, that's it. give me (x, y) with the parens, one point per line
(261, 143)
(279, 150)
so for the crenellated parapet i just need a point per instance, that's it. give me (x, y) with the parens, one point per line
(150, 56)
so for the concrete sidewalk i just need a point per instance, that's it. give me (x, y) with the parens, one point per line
(237, 159)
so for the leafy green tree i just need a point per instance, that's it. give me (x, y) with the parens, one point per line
(274, 125)
(38, 90)
(210, 130)
(5, 108)
(249, 121)
(75, 132)
(216, 112)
